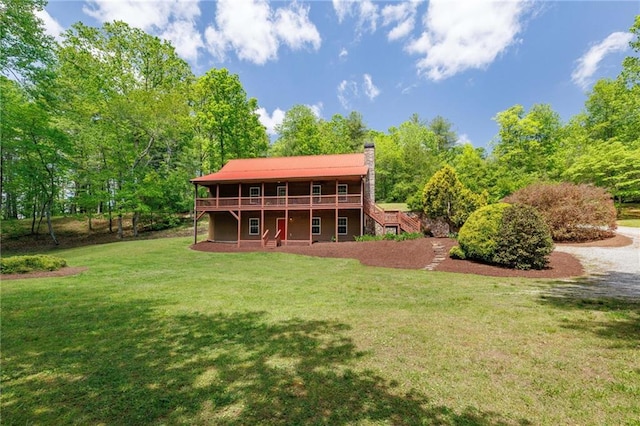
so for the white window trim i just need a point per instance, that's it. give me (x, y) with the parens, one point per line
(342, 195)
(251, 191)
(319, 226)
(278, 188)
(256, 221)
(346, 225)
(313, 189)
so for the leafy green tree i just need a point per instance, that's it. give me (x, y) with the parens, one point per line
(445, 136)
(472, 168)
(123, 99)
(26, 52)
(299, 134)
(34, 158)
(226, 123)
(445, 196)
(528, 142)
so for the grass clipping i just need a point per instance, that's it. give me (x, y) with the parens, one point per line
(27, 264)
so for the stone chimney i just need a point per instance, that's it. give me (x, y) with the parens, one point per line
(370, 181)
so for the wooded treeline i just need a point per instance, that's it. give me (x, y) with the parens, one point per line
(111, 121)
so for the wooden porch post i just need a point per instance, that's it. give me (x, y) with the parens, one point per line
(310, 226)
(361, 207)
(239, 213)
(336, 224)
(195, 214)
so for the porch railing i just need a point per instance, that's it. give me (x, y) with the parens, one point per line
(292, 201)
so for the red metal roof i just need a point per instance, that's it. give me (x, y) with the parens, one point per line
(287, 168)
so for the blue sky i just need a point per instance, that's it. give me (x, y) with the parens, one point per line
(463, 60)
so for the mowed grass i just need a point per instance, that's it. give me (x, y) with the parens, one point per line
(154, 333)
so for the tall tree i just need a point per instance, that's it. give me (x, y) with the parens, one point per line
(299, 133)
(445, 136)
(527, 142)
(226, 123)
(26, 52)
(128, 90)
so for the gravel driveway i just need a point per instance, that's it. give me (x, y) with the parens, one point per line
(610, 271)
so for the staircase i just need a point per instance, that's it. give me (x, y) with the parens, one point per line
(402, 221)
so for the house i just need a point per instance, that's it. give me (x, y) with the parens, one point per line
(294, 200)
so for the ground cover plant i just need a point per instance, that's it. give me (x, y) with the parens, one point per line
(167, 335)
(25, 264)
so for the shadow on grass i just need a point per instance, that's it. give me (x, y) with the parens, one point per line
(81, 360)
(613, 294)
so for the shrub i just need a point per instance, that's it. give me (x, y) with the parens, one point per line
(515, 236)
(25, 264)
(478, 237)
(524, 240)
(572, 212)
(445, 196)
(457, 253)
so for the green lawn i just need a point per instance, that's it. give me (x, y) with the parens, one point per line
(634, 223)
(154, 333)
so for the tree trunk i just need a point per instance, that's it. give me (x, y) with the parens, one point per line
(49, 224)
(134, 222)
(120, 233)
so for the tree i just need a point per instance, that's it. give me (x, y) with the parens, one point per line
(528, 142)
(445, 196)
(299, 134)
(445, 136)
(34, 158)
(123, 99)
(26, 51)
(226, 123)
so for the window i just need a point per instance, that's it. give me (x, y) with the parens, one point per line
(282, 194)
(254, 193)
(342, 226)
(315, 226)
(342, 191)
(316, 191)
(254, 226)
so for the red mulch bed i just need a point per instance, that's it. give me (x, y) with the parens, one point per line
(412, 254)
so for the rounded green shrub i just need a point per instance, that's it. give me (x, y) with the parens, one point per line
(525, 239)
(478, 237)
(515, 236)
(457, 253)
(26, 264)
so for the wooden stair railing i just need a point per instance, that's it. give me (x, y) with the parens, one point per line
(265, 238)
(406, 222)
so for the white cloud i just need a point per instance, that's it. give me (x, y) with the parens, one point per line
(365, 12)
(346, 91)
(185, 38)
(254, 31)
(402, 16)
(317, 109)
(343, 53)
(271, 121)
(172, 20)
(463, 139)
(51, 26)
(463, 35)
(370, 90)
(588, 63)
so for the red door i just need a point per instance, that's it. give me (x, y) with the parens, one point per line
(282, 225)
